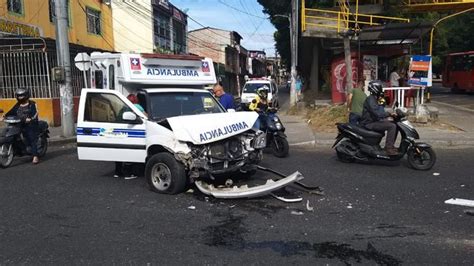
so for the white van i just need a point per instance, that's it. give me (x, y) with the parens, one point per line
(183, 136)
(249, 91)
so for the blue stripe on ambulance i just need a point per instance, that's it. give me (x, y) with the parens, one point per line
(131, 133)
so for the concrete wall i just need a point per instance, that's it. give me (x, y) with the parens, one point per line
(49, 109)
(209, 43)
(133, 27)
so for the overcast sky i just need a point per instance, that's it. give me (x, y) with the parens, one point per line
(243, 16)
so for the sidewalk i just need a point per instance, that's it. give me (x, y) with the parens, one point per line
(55, 138)
(458, 132)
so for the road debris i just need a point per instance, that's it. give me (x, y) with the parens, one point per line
(286, 198)
(436, 174)
(192, 207)
(309, 208)
(460, 202)
(469, 212)
(297, 212)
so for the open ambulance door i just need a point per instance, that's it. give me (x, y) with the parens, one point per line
(110, 128)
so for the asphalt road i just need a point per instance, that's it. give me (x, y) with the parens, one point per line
(65, 211)
(444, 95)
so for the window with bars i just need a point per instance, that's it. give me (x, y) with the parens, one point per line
(15, 6)
(161, 28)
(52, 11)
(93, 21)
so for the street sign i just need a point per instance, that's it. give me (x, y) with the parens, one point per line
(82, 61)
(420, 72)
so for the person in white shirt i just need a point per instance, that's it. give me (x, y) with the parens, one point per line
(394, 78)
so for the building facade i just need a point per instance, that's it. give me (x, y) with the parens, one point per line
(149, 26)
(28, 47)
(257, 63)
(224, 48)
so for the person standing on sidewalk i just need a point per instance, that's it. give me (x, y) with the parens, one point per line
(355, 103)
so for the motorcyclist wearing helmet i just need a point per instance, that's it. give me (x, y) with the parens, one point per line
(374, 116)
(260, 103)
(26, 110)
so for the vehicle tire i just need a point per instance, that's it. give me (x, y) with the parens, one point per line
(7, 159)
(164, 174)
(423, 161)
(280, 147)
(43, 147)
(344, 157)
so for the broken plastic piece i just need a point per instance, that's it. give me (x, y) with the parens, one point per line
(309, 208)
(297, 213)
(246, 191)
(287, 200)
(461, 202)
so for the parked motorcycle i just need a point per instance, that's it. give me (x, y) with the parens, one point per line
(276, 138)
(12, 143)
(354, 143)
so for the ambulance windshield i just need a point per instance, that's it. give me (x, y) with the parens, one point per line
(169, 104)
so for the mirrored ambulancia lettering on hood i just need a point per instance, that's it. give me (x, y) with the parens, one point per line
(212, 134)
(206, 128)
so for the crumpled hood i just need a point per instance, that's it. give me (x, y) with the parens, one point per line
(207, 128)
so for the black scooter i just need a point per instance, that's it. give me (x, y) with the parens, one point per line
(354, 143)
(276, 138)
(12, 144)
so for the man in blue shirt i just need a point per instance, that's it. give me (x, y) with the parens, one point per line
(225, 99)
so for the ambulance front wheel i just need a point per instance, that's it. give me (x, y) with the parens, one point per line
(164, 174)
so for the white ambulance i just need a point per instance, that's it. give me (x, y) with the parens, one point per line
(184, 135)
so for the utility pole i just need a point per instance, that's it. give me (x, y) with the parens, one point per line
(293, 48)
(348, 59)
(64, 62)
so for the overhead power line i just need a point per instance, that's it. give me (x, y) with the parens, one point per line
(239, 10)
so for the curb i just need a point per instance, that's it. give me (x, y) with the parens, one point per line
(59, 141)
(435, 143)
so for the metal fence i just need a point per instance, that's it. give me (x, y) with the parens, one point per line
(31, 69)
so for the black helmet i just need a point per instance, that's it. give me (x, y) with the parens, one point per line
(263, 92)
(375, 88)
(22, 92)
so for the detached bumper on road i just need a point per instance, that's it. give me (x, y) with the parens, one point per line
(245, 191)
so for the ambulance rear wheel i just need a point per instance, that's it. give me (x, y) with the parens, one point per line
(165, 175)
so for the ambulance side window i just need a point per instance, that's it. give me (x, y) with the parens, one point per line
(99, 79)
(111, 77)
(104, 108)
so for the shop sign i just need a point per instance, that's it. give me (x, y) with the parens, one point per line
(420, 72)
(15, 28)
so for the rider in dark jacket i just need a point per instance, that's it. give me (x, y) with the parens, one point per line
(26, 110)
(374, 117)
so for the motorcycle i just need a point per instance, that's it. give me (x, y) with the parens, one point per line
(12, 143)
(275, 131)
(354, 143)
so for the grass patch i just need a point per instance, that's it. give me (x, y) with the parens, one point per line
(324, 118)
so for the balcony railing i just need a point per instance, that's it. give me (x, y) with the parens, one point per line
(340, 21)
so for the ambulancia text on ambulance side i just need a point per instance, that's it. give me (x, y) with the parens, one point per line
(184, 136)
